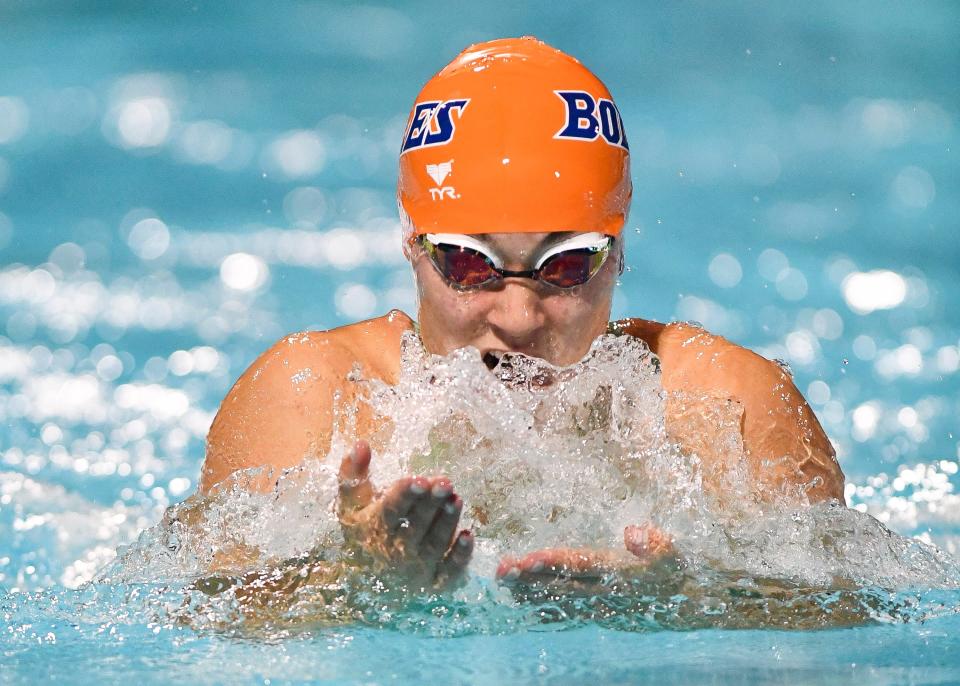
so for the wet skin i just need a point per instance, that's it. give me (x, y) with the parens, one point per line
(409, 530)
(267, 419)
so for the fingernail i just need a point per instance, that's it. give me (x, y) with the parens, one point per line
(417, 488)
(513, 574)
(441, 491)
(537, 567)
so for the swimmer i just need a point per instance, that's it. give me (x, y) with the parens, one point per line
(514, 187)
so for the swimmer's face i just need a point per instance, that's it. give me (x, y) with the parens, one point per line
(515, 314)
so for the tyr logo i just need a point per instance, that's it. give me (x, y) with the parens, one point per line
(438, 172)
(433, 123)
(589, 117)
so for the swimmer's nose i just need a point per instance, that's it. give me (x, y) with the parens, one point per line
(517, 314)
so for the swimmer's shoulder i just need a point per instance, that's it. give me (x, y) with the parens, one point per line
(282, 407)
(374, 344)
(777, 422)
(692, 358)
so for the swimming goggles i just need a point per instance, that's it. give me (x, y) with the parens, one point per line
(467, 263)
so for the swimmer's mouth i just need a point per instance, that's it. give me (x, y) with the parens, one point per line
(492, 358)
(515, 369)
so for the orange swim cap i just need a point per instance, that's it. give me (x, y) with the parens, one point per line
(514, 136)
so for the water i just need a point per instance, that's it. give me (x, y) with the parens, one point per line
(191, 183)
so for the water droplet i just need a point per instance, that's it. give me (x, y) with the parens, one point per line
(785, 366)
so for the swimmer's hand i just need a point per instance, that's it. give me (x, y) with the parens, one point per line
(648, 565)
(406, 533)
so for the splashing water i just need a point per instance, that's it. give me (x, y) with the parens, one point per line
(548, 457)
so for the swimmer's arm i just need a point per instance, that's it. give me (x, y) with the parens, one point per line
(782, 439)
(781, 435)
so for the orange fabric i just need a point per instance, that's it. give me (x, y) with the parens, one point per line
(490, 146)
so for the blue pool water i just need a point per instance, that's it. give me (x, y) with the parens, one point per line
(181, 184)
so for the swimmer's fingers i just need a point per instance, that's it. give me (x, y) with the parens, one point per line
(454, 564)
(356, 492)
(428, 512)
(558, 565)
(648, 542)
(437, 539)
(399, 500)
(654, 555)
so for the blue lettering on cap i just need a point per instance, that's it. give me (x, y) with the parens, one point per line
(588, 118)
(432, 123)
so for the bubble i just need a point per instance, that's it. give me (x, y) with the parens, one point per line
(68, 256)
(178, 486)
(913, 187)
(50, 433)
(243, 272)
(907, 417)
(298, 154)
(355, 300)
(866, 292)
(725, 270)
(149, 238)
(818, 392)
(792, 284)
(109, 368)
(180, 363)
(344, 248)
(948, 359)
(206, 142)
(828, 324)
(802, 346)
(770, 263)
(144, 122)
(865, 420)
(885, 122)
(155, 369)
(864, 347)
(205, 359)
(839, 267)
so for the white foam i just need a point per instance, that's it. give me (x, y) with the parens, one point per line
(547, 457)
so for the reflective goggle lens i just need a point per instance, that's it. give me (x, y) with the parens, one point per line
(572, 267)
(467, 268)
(463, 266)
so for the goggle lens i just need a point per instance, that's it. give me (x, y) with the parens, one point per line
(467, 268)
(463, 266)
(572, 267)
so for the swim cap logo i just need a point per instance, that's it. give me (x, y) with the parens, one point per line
(438, 172)
(589, 118)
(432, 123)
